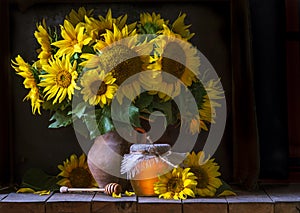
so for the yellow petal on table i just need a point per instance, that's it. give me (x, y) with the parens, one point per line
(116, 195)
(25, 190)
(227, 193)
(127, 193)
(42, 192)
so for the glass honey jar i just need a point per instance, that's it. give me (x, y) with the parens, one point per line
(143, 165)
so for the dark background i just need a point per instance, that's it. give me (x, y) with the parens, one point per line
(34, 145)
(25, 140)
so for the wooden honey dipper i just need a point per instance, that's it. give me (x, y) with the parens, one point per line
(108, 189)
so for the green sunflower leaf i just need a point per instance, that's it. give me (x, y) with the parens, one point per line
(143, 101)
(224, 190)
(48, 105)
(105, 124)
(166, 108)
(134, 116)
(35, 74)
(79, 110)
(88, 49)
(149, 28)
(132, 112)
(37, 180)
(98, 122)
(60, 119)
(90, 122)
(198, 91)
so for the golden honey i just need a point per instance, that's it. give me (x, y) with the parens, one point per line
(142, 183)
(143, 165)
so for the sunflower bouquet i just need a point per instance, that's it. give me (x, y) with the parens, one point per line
(74, 61)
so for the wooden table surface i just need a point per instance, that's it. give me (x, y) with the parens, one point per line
(270, 199)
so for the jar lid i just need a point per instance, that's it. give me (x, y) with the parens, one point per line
(150, 148)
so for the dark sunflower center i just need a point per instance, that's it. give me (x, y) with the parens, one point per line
(63, 79)
(98, 90)
(99, 34)
(175, 185)
(172, 56)
(117, 55)
(202, 177)
(81, 178)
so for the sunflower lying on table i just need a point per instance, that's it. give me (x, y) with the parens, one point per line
(197, 178)
(74, 174)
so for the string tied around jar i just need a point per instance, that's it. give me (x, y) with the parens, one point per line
(143, 156)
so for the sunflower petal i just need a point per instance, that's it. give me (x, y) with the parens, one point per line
(188, 192)
(25, 190)
(82, 160)
(116, 195)
(227, 193)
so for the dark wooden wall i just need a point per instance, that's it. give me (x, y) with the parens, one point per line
(292, 42)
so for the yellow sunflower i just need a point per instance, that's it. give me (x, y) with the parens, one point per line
(176, 184)
(121, 48)
(75, 173)
(206, 171)
(73, 39)
(195, 126)
(192, 124)
(59, 80)
(43, 39)
(207, 110)
(36, 101)
(114, 35)
(206, 115)
(90, 61)
(96, 27)
(151, 23)
(214, 90)
(25, 70)
(180, 28)
(98, 88)
(76, 17)
(176, 57)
